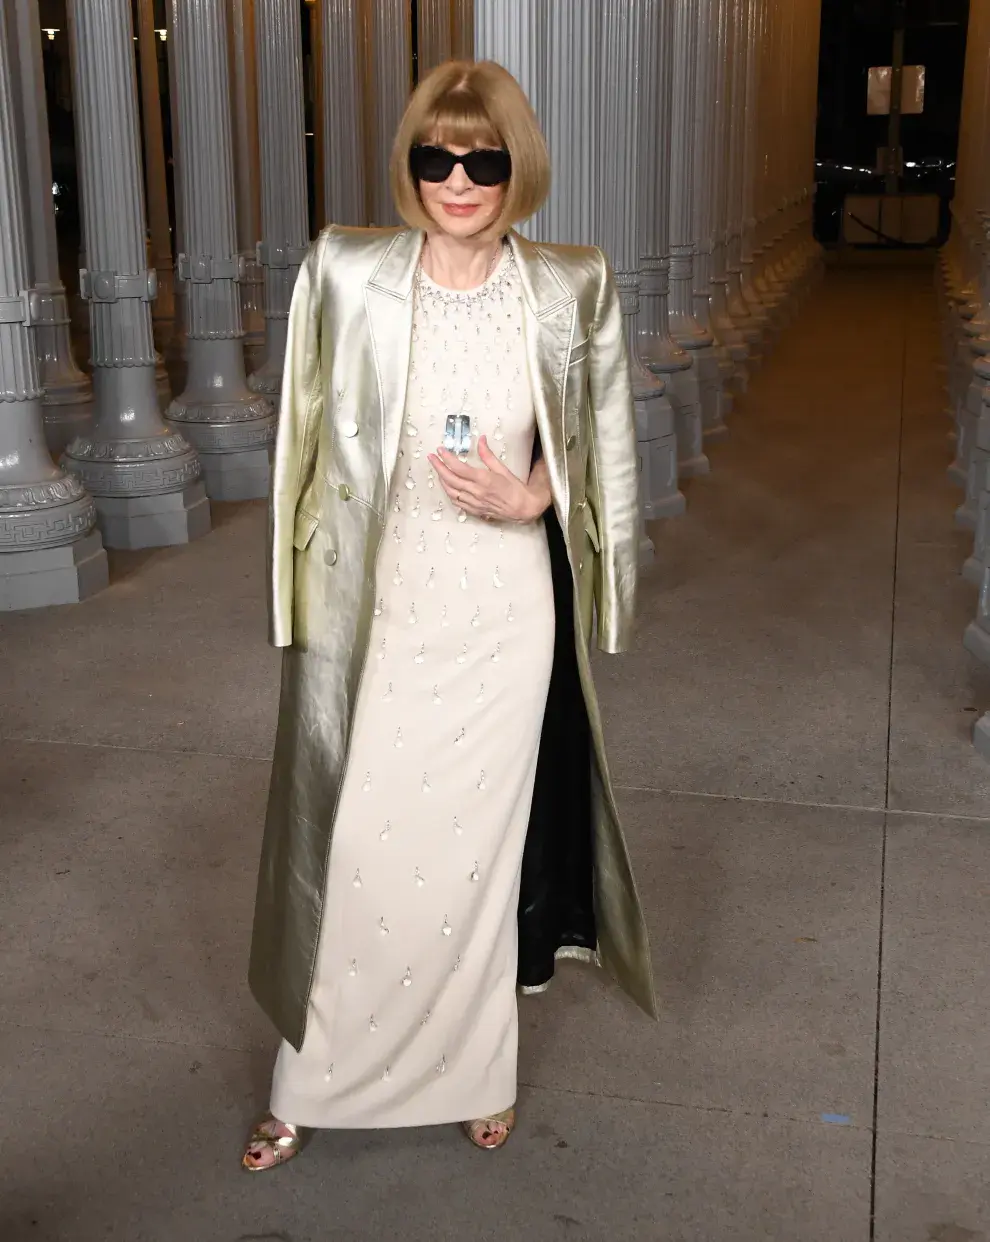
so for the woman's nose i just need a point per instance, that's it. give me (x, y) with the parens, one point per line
(459, 181)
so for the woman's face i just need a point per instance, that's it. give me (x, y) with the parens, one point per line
(457, 206)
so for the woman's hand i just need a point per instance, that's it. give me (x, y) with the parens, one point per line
(493, 492)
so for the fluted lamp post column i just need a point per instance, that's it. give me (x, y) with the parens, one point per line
(690, 390)
(662, 435)
(163, 311)
(710, 366)
(284, 209)
(387, 85)
(231, 427)
(434, 41)
(145, 478)
(68, 393)
(515, 34)
(247, 188)
(737, 124)
(50, 551)
(629, 32)
(340, 121)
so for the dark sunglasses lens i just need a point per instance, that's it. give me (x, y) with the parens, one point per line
(430, 163)
(488, 167)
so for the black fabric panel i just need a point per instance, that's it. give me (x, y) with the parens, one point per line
(556, 897)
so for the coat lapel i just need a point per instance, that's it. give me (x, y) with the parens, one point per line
(548, 325)
(388, 301)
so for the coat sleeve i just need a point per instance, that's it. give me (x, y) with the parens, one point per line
(300, 412)
(613, 471)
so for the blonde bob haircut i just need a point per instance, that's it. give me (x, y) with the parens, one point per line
(466, 103)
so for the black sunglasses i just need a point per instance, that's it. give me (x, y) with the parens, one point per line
(486, 166)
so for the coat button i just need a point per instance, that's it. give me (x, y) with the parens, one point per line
(330, 556)
(571, 441)
(344, 492)
(349, 428)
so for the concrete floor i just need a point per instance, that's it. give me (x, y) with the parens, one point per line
(810, 826)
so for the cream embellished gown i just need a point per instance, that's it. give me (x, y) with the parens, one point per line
(412, 1019)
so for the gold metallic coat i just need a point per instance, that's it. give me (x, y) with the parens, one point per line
(343, 401)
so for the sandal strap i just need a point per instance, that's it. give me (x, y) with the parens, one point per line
(259, 1135)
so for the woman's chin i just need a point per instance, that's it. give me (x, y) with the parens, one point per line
(462, 227)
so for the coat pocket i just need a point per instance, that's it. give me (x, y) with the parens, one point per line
(303, 530)
(579, 351)
(591, 529)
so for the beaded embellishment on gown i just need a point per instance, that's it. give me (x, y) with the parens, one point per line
(412, 1015)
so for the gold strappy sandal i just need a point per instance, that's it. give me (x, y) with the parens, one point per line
(284, 1147)
(491, 1133)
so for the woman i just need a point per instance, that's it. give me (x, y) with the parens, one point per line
(455, 488)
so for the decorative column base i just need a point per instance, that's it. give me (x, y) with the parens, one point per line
(267, 380)
(49, 550)
(968, 412)
(231, 428)
(656, 443)
(706, 363)
(67, 412)
(147, 490)
(252, 286)
(684, 395)
(155, 521)
(47, 576)
(981, 737)
(976, 639)
(163, 385)
(977, 479)
(67, 404)
(977, 564)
